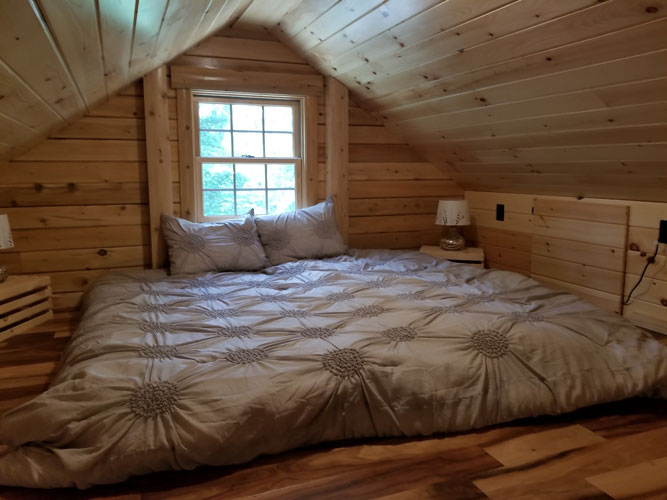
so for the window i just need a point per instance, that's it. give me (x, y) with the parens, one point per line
(248, 154)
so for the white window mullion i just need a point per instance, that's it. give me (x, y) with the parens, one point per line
(295, 160)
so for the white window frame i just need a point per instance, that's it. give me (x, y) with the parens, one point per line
(298, 106)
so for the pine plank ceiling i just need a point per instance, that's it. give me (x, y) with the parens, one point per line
(563, 97)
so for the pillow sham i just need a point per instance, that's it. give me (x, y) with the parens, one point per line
(217, 246)
(308, 233)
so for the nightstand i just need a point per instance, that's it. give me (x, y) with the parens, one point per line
(469, 255)
(25, 302)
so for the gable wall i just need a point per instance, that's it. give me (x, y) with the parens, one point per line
(78, 202)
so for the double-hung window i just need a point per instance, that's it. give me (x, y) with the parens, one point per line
(248, 155)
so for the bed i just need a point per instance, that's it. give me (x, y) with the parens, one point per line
(171, 372)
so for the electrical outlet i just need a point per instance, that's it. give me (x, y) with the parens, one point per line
(500, 212)
(662, 234)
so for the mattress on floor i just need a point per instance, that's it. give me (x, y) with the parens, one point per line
(171, 372)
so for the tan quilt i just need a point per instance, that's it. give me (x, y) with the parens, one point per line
(174, 372)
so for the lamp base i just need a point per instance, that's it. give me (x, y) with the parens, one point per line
(452, 240)
(4, 273)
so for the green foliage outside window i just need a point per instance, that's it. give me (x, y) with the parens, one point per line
(259, 186)
(218, 177)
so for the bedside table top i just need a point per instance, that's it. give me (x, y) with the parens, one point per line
(472, 254)
(22, 283)
(25, 302)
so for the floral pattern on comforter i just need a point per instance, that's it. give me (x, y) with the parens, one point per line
(171, 372)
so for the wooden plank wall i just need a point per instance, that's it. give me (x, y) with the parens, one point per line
(393, 192)
(338, 154)
(510, 245)
(581, 247)
(158, 159)
(244, 53)
(78, 202)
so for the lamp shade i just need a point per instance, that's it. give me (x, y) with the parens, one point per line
(452, 213)
(6, 240)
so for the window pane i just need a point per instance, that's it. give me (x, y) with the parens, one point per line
(248, 143)
(279, 118)
(218, 203)
(247, 117)
(215, 144)
(249, 176)
(213, 116)
(282, 201)
(279, 145)
(245, 200)
(281, 176)
(217, 175)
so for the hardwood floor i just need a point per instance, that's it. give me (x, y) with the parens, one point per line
(616, 450)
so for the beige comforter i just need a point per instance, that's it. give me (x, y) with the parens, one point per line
(174, 372)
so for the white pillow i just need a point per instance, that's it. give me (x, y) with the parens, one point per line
(309, 233)
(217, 246)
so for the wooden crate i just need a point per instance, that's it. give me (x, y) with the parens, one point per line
(25, 302)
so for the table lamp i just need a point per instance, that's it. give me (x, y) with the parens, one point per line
(452, 213)
(6, 241)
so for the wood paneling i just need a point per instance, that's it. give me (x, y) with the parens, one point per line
(337, 104)
(578, 246)
(585, 253)
(75, 32)
(487, 83)
(79, 202)
(76, 216)
(192, 77)
(578, 274)
(309, 178)
(88, 51)
(275, 69)
(158, 156)
(393, 192)
(535, 86)
(186, 154)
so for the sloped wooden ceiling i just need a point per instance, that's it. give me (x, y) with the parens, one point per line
(58, 58)
(563, 97)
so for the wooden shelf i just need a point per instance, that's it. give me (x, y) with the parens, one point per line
(469, 255)
(25, 302)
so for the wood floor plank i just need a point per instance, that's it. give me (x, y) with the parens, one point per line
(648, 479)
(564, 476)
(625, 418)
(31, 370)
(14, 383)
(387, 476)
(541, 445)
(8, 404)
(459, 490)
(304, 473)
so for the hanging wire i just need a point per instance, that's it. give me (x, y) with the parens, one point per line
(649, 261)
